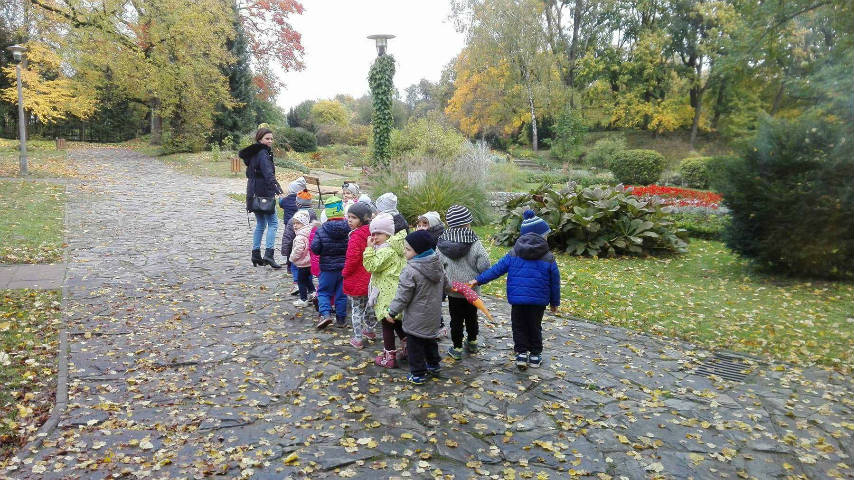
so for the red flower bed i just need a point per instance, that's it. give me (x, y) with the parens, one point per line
(681, 197)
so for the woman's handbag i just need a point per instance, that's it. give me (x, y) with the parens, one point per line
(265, 205)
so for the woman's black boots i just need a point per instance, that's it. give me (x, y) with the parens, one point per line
(256, 258)
(269, 260)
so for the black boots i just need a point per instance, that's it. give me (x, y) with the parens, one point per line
(269, 260)
(256, 258)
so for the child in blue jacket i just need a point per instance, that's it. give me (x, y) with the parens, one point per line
(533, 281)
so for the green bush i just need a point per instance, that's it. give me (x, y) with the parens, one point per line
(548, 178)
(791, 197)
(300, 140)
(596, 221)
(442, 188)
(427, 138)
(637, 167)
(290, 164)
(353, 134)
(586, 178)
(601, 153)
(702, 225)
(569, 132)
(694, 172)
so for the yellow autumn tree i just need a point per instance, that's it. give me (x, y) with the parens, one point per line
(50, 93)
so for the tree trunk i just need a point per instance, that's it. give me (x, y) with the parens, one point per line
(778, 98)
(156, 123)
(534, 141)
(696, 94)
(577, 13)
(697, 110)
(719, 103)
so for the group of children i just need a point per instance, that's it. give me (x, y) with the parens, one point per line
(364, 254)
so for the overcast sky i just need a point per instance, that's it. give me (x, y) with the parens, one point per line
(338, 56)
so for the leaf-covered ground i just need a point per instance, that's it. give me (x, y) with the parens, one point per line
(711, 297)
(28, 336)
(187, 362)
(31, 221)
(43, 160)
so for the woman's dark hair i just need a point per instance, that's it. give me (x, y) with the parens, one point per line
(261, 132)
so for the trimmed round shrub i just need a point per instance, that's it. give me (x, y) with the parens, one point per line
(300, 140)
(791, 198)
(637, 167)
(694, 172)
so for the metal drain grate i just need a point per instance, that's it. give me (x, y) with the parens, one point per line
(724, 366)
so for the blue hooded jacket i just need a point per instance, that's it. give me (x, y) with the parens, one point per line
(532, 274)
(330, 243)
(289, 206)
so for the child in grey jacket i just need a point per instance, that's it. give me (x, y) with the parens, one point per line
(419, 295)
(464, 258)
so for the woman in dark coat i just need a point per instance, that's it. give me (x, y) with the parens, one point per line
(261, 175)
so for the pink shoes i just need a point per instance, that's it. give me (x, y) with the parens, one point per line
(356, 343)
(387, 359)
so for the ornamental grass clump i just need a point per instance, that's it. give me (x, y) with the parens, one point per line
(597, 221)
(441, 186)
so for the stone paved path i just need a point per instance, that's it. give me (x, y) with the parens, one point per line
(44, 276)
(188, 362)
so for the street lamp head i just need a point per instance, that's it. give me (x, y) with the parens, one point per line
(17, 52)
(382, 42)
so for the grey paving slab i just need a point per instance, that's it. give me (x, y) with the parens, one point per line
(186, 362)
(36, 276)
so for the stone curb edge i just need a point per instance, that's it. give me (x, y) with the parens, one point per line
(62, 357)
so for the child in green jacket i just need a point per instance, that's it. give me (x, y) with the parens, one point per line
(384, 260)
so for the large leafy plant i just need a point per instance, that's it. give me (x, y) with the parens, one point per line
(597, 221)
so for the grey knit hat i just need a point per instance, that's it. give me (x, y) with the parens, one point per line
(458, 216)
(297, 185)
(387, 202)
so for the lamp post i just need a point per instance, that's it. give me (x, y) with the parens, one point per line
(382, 42)
(18, 55)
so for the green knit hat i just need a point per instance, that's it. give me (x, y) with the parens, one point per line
(334, 208)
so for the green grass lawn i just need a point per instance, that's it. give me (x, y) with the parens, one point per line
(713, 298)
(43, 159)
(31, 222)
(28, 334)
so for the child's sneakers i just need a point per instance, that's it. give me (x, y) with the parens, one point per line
(522, 361)
(534, 361)
(302, 303)
(341, 322)
(370, 335)
(471, 346)
(387, 359)
(357, 343)
(324, 322)
(455, 353)
(416, 380)
(294, 289)
(434, 370)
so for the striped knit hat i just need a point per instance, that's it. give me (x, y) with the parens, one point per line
(531, 223)
(458, 216)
